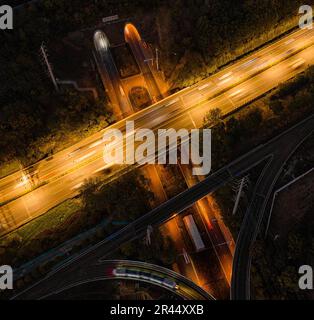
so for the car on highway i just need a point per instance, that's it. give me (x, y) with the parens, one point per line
(225, 78)
(121, 91)
(238, 94)
(297, 63)
(193, 232)
(73, 153)
(248, 63)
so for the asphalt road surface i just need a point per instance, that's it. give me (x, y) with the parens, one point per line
(134, 40)
(110, 75)
(64, 173)
(280, 147)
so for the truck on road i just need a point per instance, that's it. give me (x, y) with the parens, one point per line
(194, 234)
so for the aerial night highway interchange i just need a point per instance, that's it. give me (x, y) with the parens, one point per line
(156, 150)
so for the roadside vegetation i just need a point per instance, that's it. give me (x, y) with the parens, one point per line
(77, 223)
(195, 37)
(200, 36)
(112, 206)
(98, 211)
(289, 245)
(226, 197)
(37, 125)
(253, 125)
(263, 119)
(301, 162)
(160, 251)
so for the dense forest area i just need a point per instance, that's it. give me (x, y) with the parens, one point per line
(275, 266)
(204, 34)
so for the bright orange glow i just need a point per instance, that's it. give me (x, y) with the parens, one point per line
(130, 30)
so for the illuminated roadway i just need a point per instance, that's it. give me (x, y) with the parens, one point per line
(105, 270)
(134, 40)
(279, 149)
(229, 89)
(110, 75)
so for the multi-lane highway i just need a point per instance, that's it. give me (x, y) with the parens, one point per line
(229, 89)
(132, 270)
(222, 246)
(278, 148)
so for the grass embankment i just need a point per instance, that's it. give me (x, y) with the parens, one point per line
(97, 202)
(45, 232)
